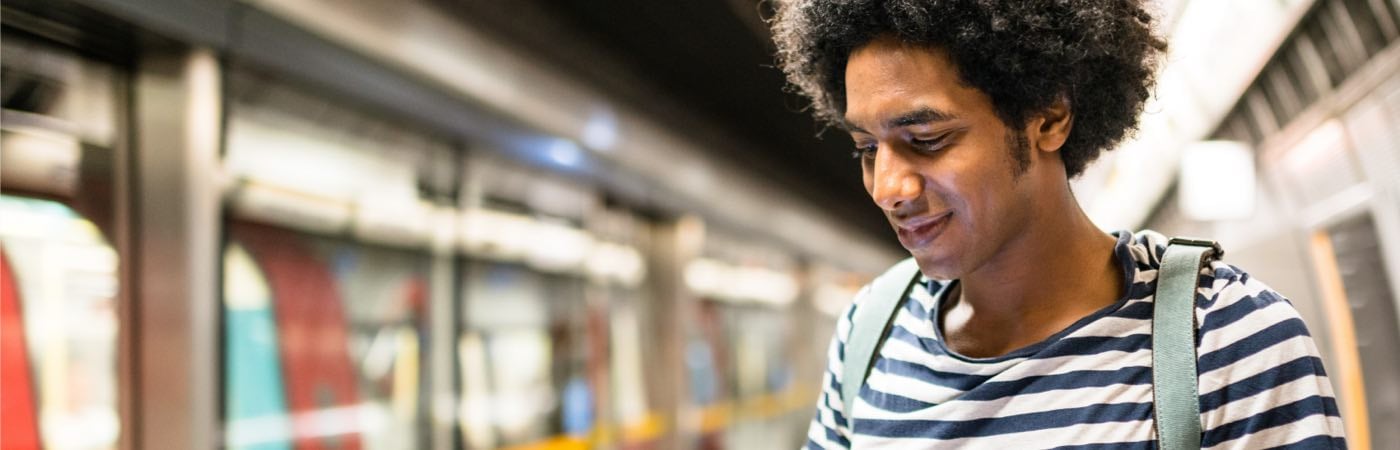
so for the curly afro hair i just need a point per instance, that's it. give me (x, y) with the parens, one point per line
(1100, 55)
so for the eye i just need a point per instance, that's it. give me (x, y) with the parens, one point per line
(938, 142)
(930, 145)
(864, 152)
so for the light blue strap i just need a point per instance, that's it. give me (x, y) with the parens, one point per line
(1175, 399)
(872, 317)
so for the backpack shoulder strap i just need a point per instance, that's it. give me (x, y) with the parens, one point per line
(869, 323)
(1176, 402)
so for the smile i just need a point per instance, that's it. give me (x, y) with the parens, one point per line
(919, 232)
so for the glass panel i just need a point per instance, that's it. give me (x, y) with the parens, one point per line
(60, 292)
(525, 355)
(323, 341)
(1359, 261)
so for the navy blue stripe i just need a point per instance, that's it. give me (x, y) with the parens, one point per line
(914, 308)
(891, 402)
(1091, 345)
(836, 415)
(1132, 375)
(1263, 381)
(1319, 442)
(1255, 343)
(1238, 310)
(929, 345)
(1141, 290)
(1277, 416)
(833, 436)
(1041, 420)
(1143, 445)
(1135, 310)
(959, 381)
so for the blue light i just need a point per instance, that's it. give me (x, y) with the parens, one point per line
(565, 153)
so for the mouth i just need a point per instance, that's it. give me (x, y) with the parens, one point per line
(919, 232)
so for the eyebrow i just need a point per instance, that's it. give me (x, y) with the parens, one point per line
(916, 117)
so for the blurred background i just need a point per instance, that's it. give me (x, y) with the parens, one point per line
(442, 224)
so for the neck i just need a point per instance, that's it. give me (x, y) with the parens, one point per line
(1060, 268)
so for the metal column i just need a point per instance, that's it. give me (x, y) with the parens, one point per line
(175, 199)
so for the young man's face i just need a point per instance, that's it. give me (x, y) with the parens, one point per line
(935, 156)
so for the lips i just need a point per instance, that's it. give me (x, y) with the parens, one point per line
(919, 232)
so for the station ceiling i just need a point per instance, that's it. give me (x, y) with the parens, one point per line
(705, 69)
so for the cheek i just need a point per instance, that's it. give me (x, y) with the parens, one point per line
(977, 188)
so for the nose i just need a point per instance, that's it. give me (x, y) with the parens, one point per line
(892, 180)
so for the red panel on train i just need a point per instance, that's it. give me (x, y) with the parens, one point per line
(320, 379)
(18, 425)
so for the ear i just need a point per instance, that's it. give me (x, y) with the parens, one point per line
(1048, 130)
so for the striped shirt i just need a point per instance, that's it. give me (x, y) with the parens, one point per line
(1089, 386)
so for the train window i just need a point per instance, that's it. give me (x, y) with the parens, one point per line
(332, 223)
(58, 285)
(60, 291)
(1355, 245)
(524, 356)
(323, 341)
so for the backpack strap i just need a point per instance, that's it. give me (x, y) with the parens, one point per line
(1175, 400)
(874, 311)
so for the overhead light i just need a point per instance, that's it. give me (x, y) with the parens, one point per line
(1217, 181)
(600, 132)
(564, 152)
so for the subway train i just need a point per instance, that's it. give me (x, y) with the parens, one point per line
(201, 248)
(276, 224)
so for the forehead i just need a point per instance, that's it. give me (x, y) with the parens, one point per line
(887, 78)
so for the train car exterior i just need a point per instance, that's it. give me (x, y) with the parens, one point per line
(206, 246)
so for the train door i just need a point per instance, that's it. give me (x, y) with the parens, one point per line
(59, 276)
(530, 362)
(327, 259)
(743, 351)
(622, 349)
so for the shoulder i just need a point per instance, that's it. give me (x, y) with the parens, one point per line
(1221, 288)
(1237, 315)
(890, 283)
(1228, 295)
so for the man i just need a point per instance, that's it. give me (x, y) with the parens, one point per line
(1031, 328)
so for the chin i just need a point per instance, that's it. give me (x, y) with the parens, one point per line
(937, 265)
